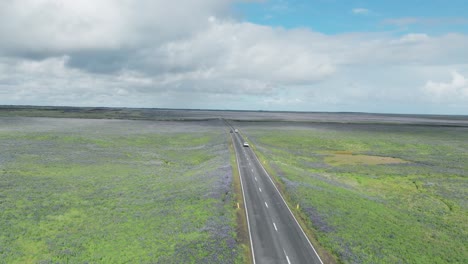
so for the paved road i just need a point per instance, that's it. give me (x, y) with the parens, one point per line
(274, 232)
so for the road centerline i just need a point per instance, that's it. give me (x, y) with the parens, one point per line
(266, 242)
(245, 204)
(287, 258)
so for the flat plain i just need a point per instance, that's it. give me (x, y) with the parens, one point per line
(116, 185)
(115, 191)
(373, 193)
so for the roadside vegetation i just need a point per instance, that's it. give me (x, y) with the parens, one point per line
(374, 193)
(107, 191)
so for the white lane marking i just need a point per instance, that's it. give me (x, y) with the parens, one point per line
(275, 226)
(260, 189)
(255, 178)
(287, 258)
(245, 206)
(266, 204)
(269, 177)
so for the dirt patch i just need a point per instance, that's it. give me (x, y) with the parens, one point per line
(339, 158)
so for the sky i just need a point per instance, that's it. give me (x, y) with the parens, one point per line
(288, 55)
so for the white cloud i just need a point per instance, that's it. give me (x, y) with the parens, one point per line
(152, 54)
(407, 21)
(59, 26)
(360, 11)
(51, 82)
(412, 38)
(413, 49)
(232, 50)
(456, 89)
(283, 100)
(281, 6)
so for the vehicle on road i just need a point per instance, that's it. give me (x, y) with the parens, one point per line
(236, 130)
(246, 144)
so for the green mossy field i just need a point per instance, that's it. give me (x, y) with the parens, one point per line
(121, 191)
(374, 193)
(107, 191)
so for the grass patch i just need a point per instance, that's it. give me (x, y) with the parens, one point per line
(340, 158)
(366, 211)
(115, 192)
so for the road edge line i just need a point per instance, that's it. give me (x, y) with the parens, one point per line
(245, 204)
(284, 201)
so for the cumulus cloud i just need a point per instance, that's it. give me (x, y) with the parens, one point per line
(58, 26)
(456, 89)
(232, 50)
(154, 53)
(50, 81)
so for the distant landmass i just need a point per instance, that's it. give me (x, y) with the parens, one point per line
(241, 115)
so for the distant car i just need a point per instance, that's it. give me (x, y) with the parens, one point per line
(246, 144)
(236, 130)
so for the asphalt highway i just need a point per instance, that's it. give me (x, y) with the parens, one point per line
(275, 235)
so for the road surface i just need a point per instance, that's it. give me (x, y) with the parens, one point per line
(275, 235)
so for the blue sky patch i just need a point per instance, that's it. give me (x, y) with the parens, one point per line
(333, 17)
